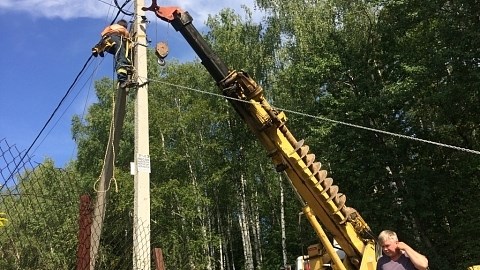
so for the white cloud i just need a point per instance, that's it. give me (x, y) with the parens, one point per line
(57, 8)
(71, 9)
(201, 9)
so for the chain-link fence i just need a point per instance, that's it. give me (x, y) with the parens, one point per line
(47, 216)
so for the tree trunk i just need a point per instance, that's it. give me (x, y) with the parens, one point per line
(282, 223)
(243, 222)
(256, 233)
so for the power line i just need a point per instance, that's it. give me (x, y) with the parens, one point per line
(68, 106)
(64, 97)
(109, 10)
(50, 118)
(120, 8)
(329, 120)
(109, 4)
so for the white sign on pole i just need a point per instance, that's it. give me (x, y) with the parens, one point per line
(143, 163)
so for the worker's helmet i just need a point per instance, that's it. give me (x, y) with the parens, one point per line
(123, 23)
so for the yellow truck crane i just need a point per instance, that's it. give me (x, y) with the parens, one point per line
(324, 206)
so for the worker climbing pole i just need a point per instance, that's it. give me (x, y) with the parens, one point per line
(116, 41)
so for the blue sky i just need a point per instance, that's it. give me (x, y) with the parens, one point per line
(44, 45)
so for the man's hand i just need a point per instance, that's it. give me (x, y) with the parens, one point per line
(402, 246)
(419, 261)
(97, 50)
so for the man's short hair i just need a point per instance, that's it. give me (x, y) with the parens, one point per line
(387, 235)
(123, 23)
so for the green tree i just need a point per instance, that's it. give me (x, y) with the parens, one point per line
(37, 236)
(391, 66)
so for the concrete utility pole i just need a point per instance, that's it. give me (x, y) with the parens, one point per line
(141, 222)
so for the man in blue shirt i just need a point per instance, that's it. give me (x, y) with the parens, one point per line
(398, 255)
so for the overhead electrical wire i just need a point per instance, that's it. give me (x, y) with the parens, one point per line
(120, 10)
(51, 117)
(109, 10)
(328, 120)
(109, 4)
(68, 106)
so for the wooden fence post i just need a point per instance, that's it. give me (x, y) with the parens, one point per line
(159, 264)
(85, 224)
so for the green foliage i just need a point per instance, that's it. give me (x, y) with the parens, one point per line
(393, 66)
(37, 236)
(408, 67)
